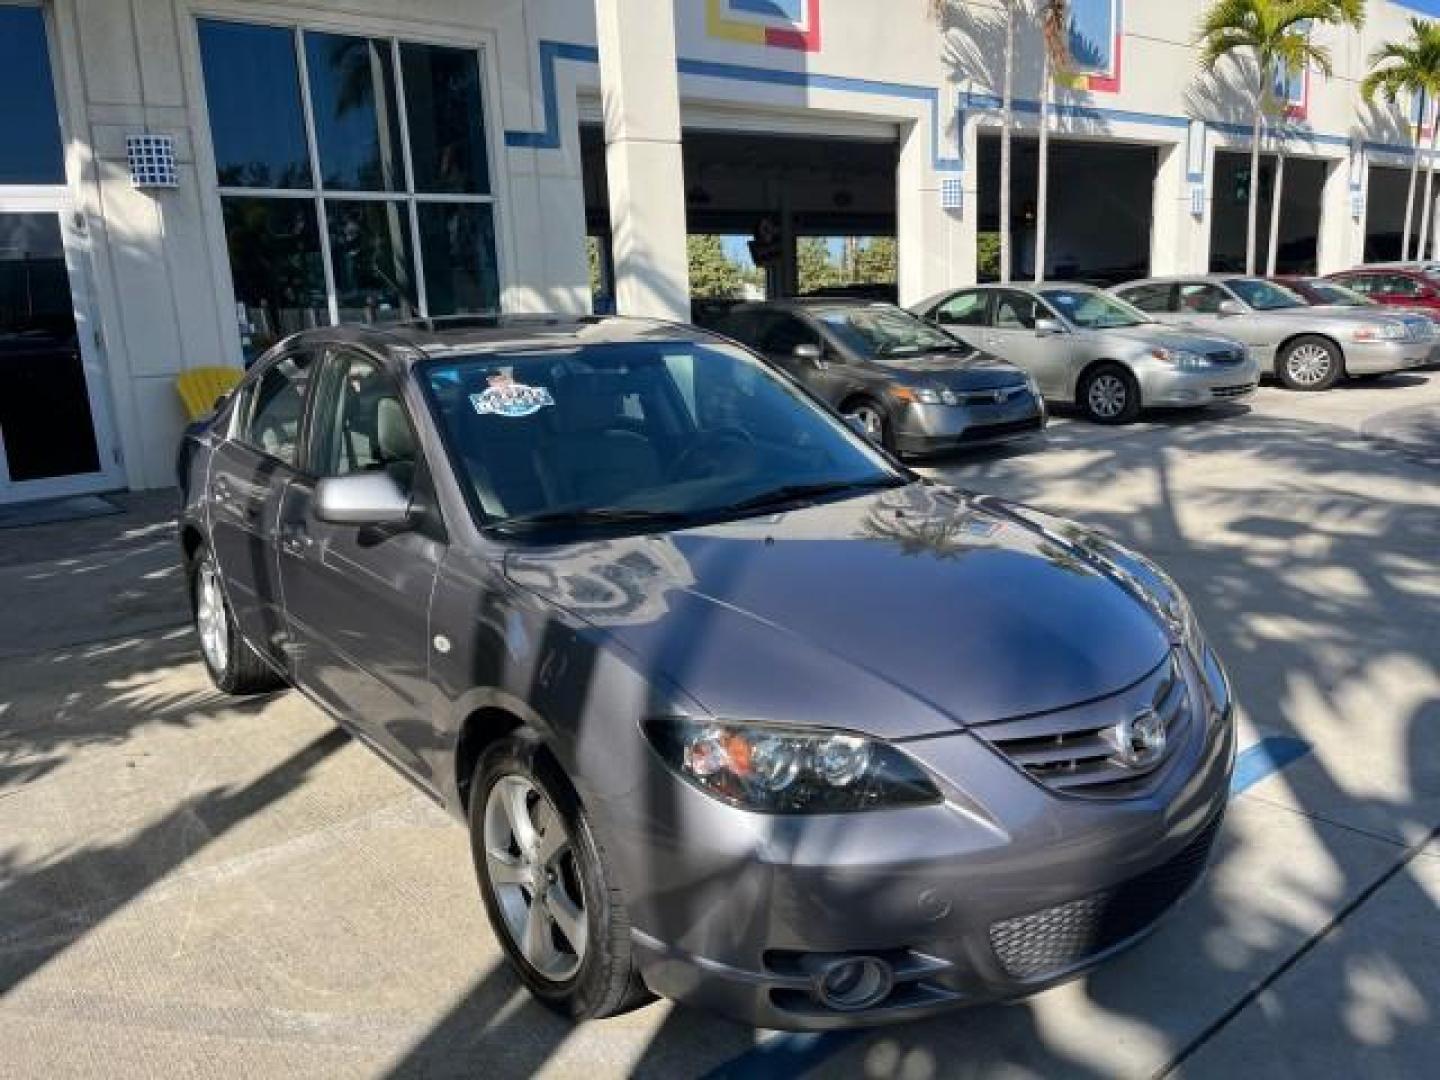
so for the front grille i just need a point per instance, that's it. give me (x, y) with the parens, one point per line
(1226, 356)
(1232, 391)
(1078, 750)
(982, 432)
(997, 396)
(1050, 941)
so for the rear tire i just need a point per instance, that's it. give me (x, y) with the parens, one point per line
(1109, 394)
(550, 867)
(233, 665)
(1310, 363)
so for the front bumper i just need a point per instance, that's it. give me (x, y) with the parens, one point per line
(1164, 386)
(929, 429)
(1381, 357)
(1003, 890)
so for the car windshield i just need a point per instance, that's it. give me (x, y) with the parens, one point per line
(630, 436)
(1265, 295)
(881, 330)
(1327, 292)
(1092, 310)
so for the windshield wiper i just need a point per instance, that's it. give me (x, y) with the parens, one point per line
(791, 493)
(597, 515)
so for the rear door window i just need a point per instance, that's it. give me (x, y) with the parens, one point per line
(1157, 299)
(277, 408)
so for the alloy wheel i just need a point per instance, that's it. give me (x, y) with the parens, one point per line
(1107, 396)
(530, 861)
(870, 421)
(1308, 364)
(210, 619)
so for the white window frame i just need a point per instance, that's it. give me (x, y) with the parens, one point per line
(482, 43)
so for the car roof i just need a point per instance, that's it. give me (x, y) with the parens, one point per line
(463, 334)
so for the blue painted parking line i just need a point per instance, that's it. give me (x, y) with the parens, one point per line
(1265, 758)
(784, 1056)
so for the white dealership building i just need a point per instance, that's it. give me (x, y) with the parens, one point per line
(184, 181)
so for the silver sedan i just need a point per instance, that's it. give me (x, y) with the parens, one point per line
(1307, 348)
(1085, 347)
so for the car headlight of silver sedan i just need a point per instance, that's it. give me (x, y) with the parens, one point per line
(1183, 359)
(786, 770)
(1388, 331)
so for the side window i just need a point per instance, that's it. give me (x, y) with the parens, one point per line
(1153, 299)
(1399, 285)
(964, 309)
(277, 407)
(360, 423)
(1361, 283)
(1201, 298)
(1014, 311)
(783, 333)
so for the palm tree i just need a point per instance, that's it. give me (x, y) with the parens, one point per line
(938, 8)
(1276, 35)
(1412, 67)
(1055, 30)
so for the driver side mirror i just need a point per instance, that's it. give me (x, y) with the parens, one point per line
(1048, 327)
(809, 354)
(1230, 308)
(372, 498)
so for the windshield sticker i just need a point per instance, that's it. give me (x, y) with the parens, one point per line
(505, 397)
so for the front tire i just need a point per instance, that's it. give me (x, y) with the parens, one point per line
(871, 418)
(234, 667)
(1310, 363)
(1109, 394)
(547, 888)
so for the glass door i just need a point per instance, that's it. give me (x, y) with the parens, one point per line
(53, 431)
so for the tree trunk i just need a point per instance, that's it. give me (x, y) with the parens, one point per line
(1276, 198)
(1007, 118)
(1410, 195)
(1429, 204)
(1042, 193)
(1251, 227)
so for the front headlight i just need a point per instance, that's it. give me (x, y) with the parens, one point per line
(1390, 331)
(780, 770)
(919, 395)
(1183, 359)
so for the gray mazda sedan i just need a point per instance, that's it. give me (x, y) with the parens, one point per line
(738, 710)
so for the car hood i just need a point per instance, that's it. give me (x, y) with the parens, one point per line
(908, 612)
(1154, 334)
(952, 371)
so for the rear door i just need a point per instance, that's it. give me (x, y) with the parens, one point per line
(249, 472)
(966, 315)
(357, 598)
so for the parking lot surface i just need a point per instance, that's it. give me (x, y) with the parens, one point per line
(198, 886)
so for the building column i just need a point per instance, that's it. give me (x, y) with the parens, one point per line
(936, 245)
(640, 89)
(1341, 241)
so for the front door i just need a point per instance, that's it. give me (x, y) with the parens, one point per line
(1012, 336)
(357, 598)
(54, 429)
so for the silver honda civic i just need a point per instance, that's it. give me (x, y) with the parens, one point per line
(738, 710)
(1084, 347)
(1306, 348)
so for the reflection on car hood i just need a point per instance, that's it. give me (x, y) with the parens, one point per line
(952, 370)
(1156, 335)
(907, 612)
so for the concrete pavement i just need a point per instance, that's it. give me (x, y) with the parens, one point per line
(193, 885)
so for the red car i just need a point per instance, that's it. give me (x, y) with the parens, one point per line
(1393, 286)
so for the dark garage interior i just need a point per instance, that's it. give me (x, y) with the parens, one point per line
(1102, 200)
(1299, 213)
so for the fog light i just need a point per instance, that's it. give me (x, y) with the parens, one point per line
(856, 983)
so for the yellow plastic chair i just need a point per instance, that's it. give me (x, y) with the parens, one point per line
(201, 387)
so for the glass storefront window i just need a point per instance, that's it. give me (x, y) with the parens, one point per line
(357, 124)
(30, 150)
(442, 96)
(370, 251)
(276, 263)
(306, 250)
(457, 248)
(257, 125)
